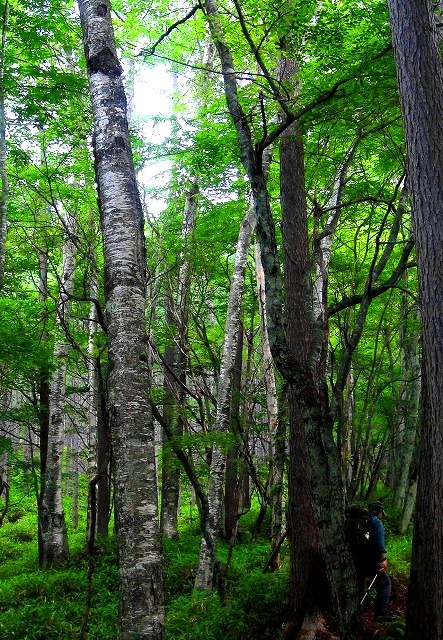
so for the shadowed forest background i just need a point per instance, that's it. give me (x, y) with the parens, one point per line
(219, 326)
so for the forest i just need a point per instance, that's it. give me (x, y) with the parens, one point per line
(221, 318)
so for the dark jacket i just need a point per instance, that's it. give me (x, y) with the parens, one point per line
(376, 543)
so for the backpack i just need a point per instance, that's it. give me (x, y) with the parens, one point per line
(356, 528)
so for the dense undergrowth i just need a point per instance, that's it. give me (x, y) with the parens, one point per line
(37, 604)
(49, 604)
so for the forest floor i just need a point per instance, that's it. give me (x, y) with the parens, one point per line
(397, 608)
(323, 628)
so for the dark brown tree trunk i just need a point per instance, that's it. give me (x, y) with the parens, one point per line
(420, 83)
(315, 483)
(308, 578)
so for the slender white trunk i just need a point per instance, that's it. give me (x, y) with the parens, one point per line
(408, 506)
(277, 435)
(140, 559)
(53, 526)
(177, 354)
(205, 569)
(323, 257)
(92, 382)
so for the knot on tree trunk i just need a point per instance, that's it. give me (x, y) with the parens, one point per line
(105, 62)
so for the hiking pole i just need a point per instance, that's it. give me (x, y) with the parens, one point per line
(370, 587)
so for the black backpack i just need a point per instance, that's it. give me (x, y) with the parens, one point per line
(356, 528)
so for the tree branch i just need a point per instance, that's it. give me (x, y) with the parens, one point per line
(151, 50)
(377, 291)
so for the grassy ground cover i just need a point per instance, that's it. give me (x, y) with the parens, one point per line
(37, 604)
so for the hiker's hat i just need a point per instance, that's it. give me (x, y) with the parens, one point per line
(376, 507)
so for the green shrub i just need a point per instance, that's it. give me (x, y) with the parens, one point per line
(254, 607)
(200, 616)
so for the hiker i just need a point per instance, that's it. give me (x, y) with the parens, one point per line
(377, 561)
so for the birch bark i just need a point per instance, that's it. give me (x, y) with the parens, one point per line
(176, 358)
(140, 559)
(276, 428)
(205, 570)
(409, 410)
(52, 518)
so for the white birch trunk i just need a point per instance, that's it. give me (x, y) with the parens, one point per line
(92, 382)
(53, 526)
(409, 420)
(140, 560)
(178, 353)
(408, 506)
(323, 257)
(277, 460)
(205, 570)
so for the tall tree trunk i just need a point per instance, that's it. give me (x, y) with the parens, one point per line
(204, 576)
(3, 150)
(176, 359)
(43, 397)
(420, 83)
(52, 518)
(307, 580)
(311, 399)
(276, 427)
(322, 255)
(234, 472)
(140, 558)
(409, 410)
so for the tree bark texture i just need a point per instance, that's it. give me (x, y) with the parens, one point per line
(420, 84)
(52, 518)
(207, 558)
(277, 429)
(176, 359)
(132, 428)
(315, 491)
(307, 586)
